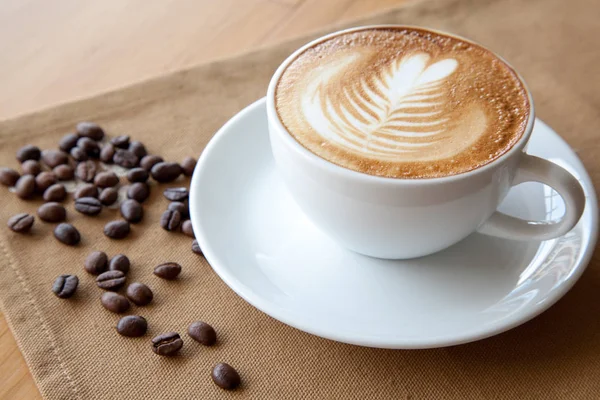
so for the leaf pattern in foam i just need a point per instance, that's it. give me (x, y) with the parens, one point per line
(399, 111)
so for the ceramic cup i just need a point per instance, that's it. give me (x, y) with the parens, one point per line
(405, 218)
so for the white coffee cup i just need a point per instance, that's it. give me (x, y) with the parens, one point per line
(406, 218)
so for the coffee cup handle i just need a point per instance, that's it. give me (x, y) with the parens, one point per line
(536, 169)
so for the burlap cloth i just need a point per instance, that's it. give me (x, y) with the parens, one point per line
(72, 347)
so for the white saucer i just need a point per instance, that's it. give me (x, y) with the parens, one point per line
(268, 252)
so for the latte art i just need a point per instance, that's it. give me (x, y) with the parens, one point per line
(402, 103)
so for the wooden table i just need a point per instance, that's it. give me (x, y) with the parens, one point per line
(59, 51)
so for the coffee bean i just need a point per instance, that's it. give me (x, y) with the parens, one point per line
(125, 158)
(106, 179)
(137, 175)
(67, 234)
(25, 186)
(108, 196)
(65, 286)
(114, 302)
(121, 141)
(56, 192)
(8, 176)
(52, 212)
(86, 171)
(96, 262)
(88, 206)
(86, 190)
(90, 130)
(169, 270)
(107, 153)
(138, 191)
(68, 142)
(179, 206)
(188, 165)
(78, 154)
(110, 280)
(44, 180)
(132, 326)
(139, 294)
(132, 211)
(187, 229)
(167, 344)
(64, 172)
(90, 147)
(176, 194)
(52, 158)
(28, 152)
(21, 223)
(196, 248)
(120, 262)
(170, 220)
(31, 167)
(117, 229)
(225, 376)
(147, 162)
(138, 149)
(165, 171)
(203, 333)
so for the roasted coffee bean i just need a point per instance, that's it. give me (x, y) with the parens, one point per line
(110, 280)
(68, 142)
(28, 152)
(166, 171)
(78, 154)
(125, 158)
(225, 376)
(120, 262)
(91, 148)
(167, 344)
(25, 186)
(138, 149)
(108, 196)
(90, 130)
(132, 326)
(86, 171)
(170, 220)
(114, 302)
(52, 158)
(188, 165)
(138, 191)
(107, 153)
(56, 192)
(150, 161)
(67, 234)
(187, 229)
(65, 286)
(179, 206)
(86, 190)
(96, 263)
(117, 229)
(52, 212)
(44, 180)
(121, 141)
(21, 223)
(8, 176)
(169, 270)
(137, 175)
(139, 294)
(64, 172)
(203, 333)
(106, 179)
(196, 248)
(88, 205)
(176, 194)
(132, 211)
(31, 167)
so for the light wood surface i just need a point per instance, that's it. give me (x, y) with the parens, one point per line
(58, 51)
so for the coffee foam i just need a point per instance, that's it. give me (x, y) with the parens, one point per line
(404, 103)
